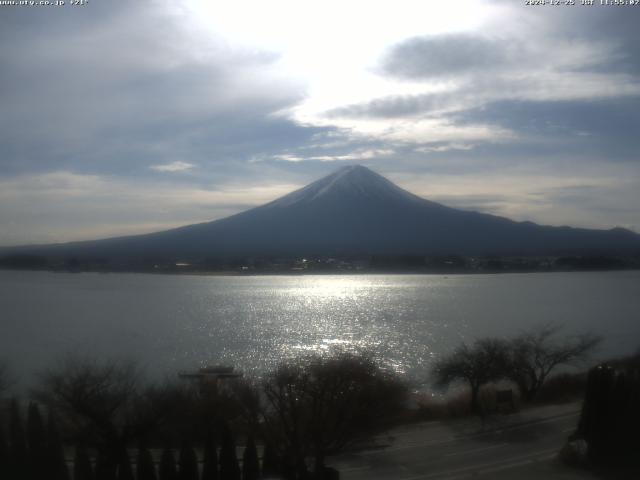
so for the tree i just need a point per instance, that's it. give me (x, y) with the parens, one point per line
(56, 463)
(90, 394)
(229, 469)
(534, 354)
(82, 469)
(125, 472)
(145, 469)
(18, 459)
(105, 403)
(250, 466)
(4, 455)
(270, 462)
(105, 467)
(210, 461)
(320, 406)
(188, 463)
(168, 469)
(610, 419)
(95, 399)
(37, 442)
(483, 362)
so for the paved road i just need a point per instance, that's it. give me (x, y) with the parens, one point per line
(522, 446)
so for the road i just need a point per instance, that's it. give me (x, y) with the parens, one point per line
(522, 446)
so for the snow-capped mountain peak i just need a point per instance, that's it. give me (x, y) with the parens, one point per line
(348, 183)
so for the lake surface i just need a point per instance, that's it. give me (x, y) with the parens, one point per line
(169, 323)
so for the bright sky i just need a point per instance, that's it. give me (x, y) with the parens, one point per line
(333, 47)
(126, 117)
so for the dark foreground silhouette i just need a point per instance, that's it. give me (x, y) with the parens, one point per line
(287, 423)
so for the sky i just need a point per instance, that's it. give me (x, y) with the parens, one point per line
(122, 117)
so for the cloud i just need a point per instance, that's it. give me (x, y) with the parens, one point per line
(449, 54)
(134, 87)
(529, 87)
(178, 166)
(361, 154)
(56, 206)
(487, 100)
(439, 147)
(603, 128)
(597, 196)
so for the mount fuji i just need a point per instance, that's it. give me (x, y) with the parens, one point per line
(353, 211)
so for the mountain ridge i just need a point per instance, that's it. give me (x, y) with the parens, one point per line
(352, 211)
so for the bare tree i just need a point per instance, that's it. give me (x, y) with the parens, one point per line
(484, 361)
(85, 391)
(103, 402)
(536, 353)
(322, 405)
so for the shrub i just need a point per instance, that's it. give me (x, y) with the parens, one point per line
(321, 406)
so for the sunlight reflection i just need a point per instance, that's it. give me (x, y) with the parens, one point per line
(333, 287)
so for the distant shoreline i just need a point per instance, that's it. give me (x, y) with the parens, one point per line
(411, 264)
(231, 273)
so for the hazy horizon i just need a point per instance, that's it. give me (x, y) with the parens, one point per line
(319, 187)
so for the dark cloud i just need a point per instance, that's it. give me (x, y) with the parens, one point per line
(116, 88)
(614, 27)
(396, 106)
(446, 55)
(607, 129)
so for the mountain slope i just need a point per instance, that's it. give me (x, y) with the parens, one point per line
(354, 211)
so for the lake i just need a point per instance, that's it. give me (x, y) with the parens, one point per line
(174, 322)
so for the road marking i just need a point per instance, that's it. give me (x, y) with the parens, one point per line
(475, 450)
(490, 467)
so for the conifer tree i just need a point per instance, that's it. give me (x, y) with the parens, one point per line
(250, 466)
(145, 470)
(229, 469)
(288, 468)
(105, 467)
(18, 459)
(270, 462)
(125, 472)
(210, 462)
(37, 443)
(188, 463)
(82, 469)
(56, 464)
(168, 466)
(4, 455)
